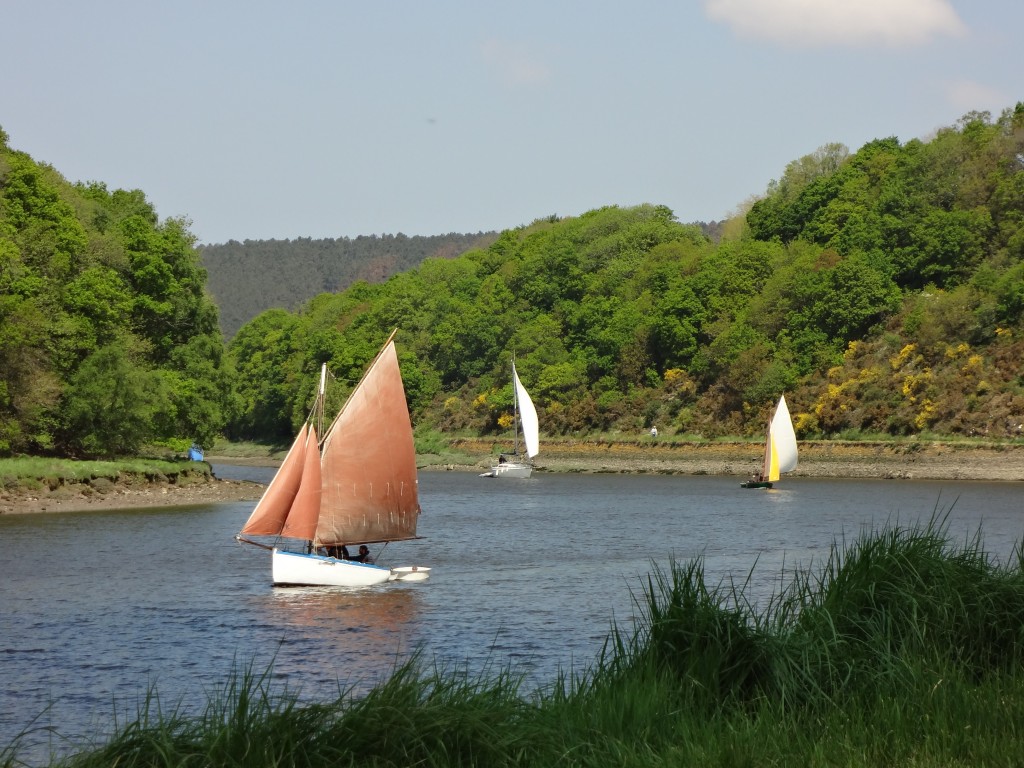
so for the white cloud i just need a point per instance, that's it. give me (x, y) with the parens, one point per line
(515, 65)
(816, 23)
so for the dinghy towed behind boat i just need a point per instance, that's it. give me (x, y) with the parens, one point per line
(358, 487)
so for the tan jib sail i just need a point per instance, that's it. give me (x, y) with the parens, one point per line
(271, 514)
(305, 511)
(360, 486)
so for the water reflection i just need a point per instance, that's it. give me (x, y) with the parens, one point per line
(316, 606)
(377, 616)
(324, 634)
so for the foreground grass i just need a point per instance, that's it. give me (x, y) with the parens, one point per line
(901, 649)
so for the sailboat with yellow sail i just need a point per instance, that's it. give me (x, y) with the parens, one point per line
(780, 454)
(355, 487)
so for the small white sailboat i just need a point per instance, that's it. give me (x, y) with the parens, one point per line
(780, 454)
(357, 487)
(516, 465)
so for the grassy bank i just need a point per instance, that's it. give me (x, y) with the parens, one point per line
(901, 649)
(432, 449)
(50, 474)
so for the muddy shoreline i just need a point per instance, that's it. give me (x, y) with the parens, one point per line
(83, 497)
(897, 461)
(910, 461)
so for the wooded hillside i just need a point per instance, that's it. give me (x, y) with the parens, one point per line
(256, 275)
(881, 290)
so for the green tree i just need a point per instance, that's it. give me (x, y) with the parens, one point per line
(269, 368)
(112, 406)
(201, 386)
(844, 301)
(677, 318)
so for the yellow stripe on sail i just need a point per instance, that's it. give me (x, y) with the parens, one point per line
(773, 470)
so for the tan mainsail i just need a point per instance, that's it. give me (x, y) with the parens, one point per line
(360, 486)
(369, 462)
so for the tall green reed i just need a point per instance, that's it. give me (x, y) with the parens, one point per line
(873, 614)
(908, 594)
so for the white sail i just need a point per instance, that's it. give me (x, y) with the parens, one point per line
(527, 416)
(782, 439)
(520, 468)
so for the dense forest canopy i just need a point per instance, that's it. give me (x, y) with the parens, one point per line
(107, 337)
(256, 275)
(882, 290)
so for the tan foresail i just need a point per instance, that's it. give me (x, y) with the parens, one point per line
(369, 462)
(271, 512)
(305, 510)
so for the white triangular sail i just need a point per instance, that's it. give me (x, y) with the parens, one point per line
(781, 453)
(527, 416)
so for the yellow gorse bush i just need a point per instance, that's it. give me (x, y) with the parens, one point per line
(901, 358)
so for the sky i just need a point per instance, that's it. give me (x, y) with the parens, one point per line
(338, 118)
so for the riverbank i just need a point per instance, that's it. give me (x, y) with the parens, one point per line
(86, 497)
(880, 460)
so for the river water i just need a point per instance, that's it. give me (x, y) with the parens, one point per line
(97, 608)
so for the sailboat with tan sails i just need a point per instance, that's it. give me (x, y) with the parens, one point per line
(355, 487)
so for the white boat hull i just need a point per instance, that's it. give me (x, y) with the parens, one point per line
(295, 569)
(511, 469)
